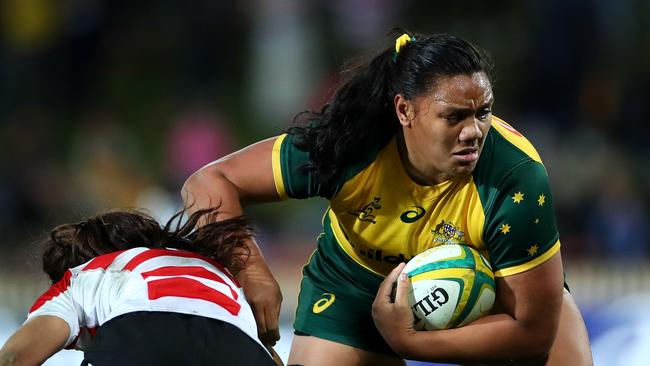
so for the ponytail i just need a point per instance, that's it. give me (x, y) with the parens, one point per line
(361, 117)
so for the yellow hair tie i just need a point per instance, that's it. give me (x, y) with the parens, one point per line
(401, 42)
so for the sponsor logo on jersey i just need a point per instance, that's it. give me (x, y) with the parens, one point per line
(323, 303)
(447, 233)
(412, 216)
(365, 212)
(378, 255)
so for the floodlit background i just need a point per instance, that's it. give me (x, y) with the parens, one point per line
(106, 104)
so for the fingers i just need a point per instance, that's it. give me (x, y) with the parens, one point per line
(272, 327)
(270, 336)
(267, 327)
(396, 271)
(265, 300)
(260, 319)
(401, 294)
(385, 288)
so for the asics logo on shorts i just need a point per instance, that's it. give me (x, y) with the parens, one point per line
(325, 301)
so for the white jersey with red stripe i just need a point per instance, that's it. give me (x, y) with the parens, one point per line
(144, 279)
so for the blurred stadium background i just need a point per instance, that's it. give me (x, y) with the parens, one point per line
(107, 104)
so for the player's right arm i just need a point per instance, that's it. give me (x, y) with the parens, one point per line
(36, 341)
(243, 177)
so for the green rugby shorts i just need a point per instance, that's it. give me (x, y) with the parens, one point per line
(335, 302)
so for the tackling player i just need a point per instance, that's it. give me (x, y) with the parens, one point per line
(130, 292)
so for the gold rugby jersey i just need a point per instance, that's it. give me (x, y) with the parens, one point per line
(380, 217)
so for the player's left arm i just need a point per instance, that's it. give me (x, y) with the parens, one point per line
(36, 341)
(522, 328)
(522, 238)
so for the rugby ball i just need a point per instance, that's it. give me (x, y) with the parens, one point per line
(451, 285)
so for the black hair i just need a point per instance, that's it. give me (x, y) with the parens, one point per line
(70, 245)
(360, 117)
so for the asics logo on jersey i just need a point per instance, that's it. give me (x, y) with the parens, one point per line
(326, 300)
(412, 216)
(365, 213)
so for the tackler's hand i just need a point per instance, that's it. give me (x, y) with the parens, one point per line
(263, 294)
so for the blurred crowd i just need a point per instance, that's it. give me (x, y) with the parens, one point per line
(108, 104)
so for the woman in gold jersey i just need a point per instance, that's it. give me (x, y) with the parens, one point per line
(409, 156)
